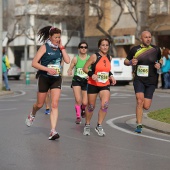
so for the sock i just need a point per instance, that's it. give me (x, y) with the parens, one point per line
(78, 110)
(83, 107)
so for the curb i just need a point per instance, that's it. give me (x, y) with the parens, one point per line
(156, 125)
(151, 124)
(4, 93)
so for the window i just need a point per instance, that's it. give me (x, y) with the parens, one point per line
(127, 6)
(158, 7)
(163, 8)
(92, 9)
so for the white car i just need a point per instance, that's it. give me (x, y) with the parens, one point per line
(14, 72)
(120, 71)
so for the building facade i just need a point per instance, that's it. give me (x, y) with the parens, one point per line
(124, 22)
(27, 17)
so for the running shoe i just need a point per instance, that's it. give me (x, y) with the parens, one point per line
(100, 130)
(53, 135)
(86, 130)
(29, 120)
(78, 120)
(138, 129)
(47, 111)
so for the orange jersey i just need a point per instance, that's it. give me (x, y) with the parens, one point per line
(101, 68)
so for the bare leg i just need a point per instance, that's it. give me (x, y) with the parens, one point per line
(40, 102)
(104, 98)
(55, 95)
(139, 107)
(91, 102)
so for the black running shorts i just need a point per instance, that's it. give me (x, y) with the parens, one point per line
(96, 89)
(48, 82)
(147, 89)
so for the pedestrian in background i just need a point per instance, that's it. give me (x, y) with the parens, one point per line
(145, 60)
(99, 80)
(79, 81)
(5, 68)
(48, 61)
(166, 68)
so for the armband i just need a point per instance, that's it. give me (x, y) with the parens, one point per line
(62, 48)
(130, 62)
(90, 73)
(110, 73)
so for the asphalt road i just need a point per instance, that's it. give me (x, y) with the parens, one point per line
(28, 148)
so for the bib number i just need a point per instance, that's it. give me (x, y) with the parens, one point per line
(143, 71)
(102, 77)
(81, 73)
(56, 67)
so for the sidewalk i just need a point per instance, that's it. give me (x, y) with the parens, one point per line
(151, 124)
(3, 93)
(148, 122)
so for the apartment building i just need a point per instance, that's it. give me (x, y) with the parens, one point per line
(152, 15)
(28, 16)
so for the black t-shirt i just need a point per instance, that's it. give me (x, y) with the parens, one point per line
(147, 56)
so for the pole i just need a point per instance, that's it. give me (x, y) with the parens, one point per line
(1, 32)
(26, 45)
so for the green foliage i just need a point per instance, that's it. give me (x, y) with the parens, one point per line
(162, 115)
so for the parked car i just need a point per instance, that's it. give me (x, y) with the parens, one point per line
(121, 72)
(14, 72)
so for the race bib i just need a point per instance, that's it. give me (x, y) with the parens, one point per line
(81, 73)
(143, 70)
(56, 67)
(102, 77)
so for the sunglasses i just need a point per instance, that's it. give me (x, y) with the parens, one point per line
(83, 47)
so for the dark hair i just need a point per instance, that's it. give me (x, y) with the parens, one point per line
(44, 33)
(165, 52)
(103, 39)
(82, 42)
(3, 51)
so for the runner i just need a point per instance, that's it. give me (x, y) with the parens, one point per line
(79, 81)
(48, 61)
(145, 60)
(99, 81)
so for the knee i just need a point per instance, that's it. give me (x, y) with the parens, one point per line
(90, 107)
(146, 107)
(54, 105)
(104, 107)
(140, 102)
(38, 105)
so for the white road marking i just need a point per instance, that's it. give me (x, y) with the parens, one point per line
(110, 122)
(9, 109)
(121, 95)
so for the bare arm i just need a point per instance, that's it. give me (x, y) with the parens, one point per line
(72, 65)
(133, 62)
(112, 79)
(66, 57)
(36, 59)
(89, 62)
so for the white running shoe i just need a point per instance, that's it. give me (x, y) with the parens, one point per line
(86, 130)
(29, 120)
(100, 130)
(53, 135)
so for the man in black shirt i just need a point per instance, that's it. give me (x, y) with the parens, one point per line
(145, 61)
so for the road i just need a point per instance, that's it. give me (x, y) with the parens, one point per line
(28, 148)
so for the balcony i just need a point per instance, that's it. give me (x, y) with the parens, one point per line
(47, 9)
